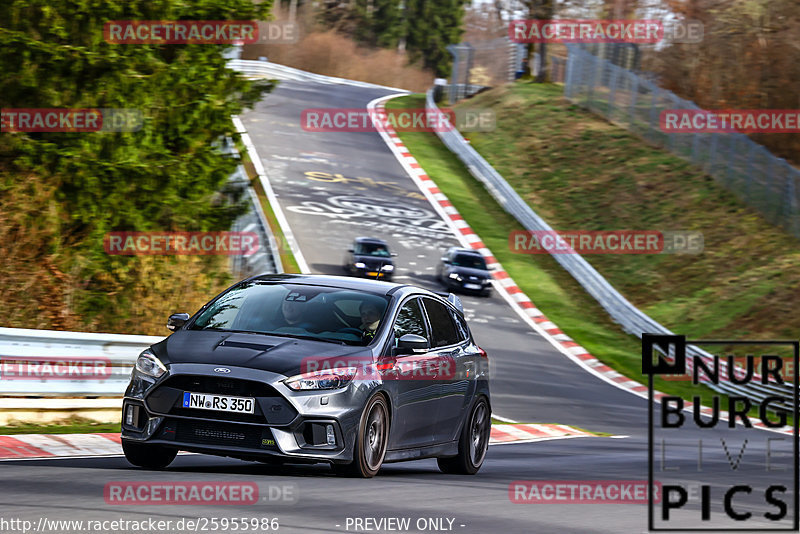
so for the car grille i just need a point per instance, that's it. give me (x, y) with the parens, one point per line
(218, 434)
(221, 386)
(223, 416)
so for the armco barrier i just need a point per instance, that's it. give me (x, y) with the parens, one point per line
(120, 351)
(621, 311)
(265, 69)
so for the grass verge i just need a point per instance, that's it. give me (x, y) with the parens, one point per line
(287, 258)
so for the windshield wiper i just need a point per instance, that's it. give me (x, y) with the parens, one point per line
(278, 334)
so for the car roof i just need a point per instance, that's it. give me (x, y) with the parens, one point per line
(466, 251)
(345, 282)
(370, 240)
(376, 287)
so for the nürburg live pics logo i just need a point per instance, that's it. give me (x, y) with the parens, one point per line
(728, 460)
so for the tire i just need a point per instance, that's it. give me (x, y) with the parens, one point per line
(472, 444)
(148, 456)
(371, 441)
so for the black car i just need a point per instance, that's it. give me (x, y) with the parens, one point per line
(464, 270)
(303, 368)
(370, 257)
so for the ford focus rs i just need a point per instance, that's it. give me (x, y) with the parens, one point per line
(295, 368)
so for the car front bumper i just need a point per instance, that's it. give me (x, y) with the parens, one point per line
(287, 424)
(468, 286)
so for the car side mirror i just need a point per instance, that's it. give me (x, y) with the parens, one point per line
(411, 343)
(394, 253)
(177, 320)
(349, 250)
(445, 260)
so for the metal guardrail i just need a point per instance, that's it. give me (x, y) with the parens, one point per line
(117, 351)
(632, 320)
(267, 259)
(265, 69)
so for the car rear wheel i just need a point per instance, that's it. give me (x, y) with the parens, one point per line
(472, 444)
(371, 440)
(148, 456)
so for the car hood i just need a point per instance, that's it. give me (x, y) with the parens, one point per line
(286, 356)
(468, 271)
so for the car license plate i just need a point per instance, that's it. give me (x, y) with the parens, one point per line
(472, 286)
(222, 403)
(372, 274)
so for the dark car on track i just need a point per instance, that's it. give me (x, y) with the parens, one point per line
(370, 257)
(304, 368)
(464, 270)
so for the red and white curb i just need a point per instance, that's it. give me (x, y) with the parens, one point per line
(528, 433)
(59, 445)
(42, 446)
(505, 284)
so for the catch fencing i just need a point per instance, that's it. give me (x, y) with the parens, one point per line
(765, 182)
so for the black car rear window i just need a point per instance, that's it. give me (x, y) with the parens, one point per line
(295, 310)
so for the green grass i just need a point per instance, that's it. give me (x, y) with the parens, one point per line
(580, 172)
(285, 252)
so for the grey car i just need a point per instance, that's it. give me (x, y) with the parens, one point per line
(304, 368)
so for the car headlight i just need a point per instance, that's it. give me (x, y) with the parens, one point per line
(487, 281)
(328, 379)
(455, 276)
(360, 265)
(388, 268)
(149, 365)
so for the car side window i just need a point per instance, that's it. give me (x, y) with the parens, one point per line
(410, 320)
(461, 326)
(443, 330)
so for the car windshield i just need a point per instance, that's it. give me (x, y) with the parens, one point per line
(371, 249)
(293, 310)
(469, 260)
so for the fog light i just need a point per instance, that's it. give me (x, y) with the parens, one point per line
(330, 435)
(132, 415)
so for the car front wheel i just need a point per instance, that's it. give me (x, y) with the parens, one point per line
(472, 444)
(371, 441)
(148, 456)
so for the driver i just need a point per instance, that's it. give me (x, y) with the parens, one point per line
(370, 318)
(292, 309)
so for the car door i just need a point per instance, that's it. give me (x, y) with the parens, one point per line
(450, 347)
(411, 381)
